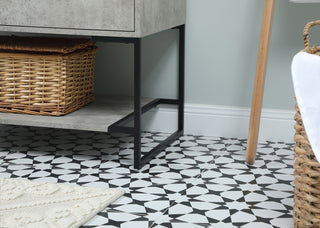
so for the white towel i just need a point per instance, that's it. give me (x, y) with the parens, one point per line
(306, 82)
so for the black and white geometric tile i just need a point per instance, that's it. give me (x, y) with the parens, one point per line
(196, 182)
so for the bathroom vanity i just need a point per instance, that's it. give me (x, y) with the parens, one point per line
(123, 21)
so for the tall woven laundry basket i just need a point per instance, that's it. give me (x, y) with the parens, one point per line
(306, 211)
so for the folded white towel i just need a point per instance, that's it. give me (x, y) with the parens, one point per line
(306, 81)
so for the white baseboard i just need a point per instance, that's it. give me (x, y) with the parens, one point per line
(209, 120)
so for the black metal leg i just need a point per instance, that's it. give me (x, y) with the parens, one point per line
(137, 103)
(181, 77)
(119, 126)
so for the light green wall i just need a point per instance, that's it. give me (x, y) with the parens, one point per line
(222, 38)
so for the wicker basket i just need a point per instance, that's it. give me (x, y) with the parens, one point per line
(45, 76)
(306, 211)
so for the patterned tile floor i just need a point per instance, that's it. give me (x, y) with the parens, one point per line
(197, 182)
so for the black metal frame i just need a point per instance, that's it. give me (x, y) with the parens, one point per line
(119, 126)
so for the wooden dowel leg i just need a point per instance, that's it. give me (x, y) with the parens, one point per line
(260, 81)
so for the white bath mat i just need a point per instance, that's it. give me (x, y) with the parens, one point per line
(25, 203)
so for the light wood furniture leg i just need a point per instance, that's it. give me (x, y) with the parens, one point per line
(260, 80)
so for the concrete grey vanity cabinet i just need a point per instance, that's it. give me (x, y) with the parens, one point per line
(122, 21)
(121, 18)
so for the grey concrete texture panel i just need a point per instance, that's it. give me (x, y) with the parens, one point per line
(81, 14)
(160, 15)
(122, 18)
(97, 116)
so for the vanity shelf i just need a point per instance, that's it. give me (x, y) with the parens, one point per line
(97, 116)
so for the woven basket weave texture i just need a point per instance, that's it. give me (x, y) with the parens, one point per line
(306, 210)
(46, 76)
